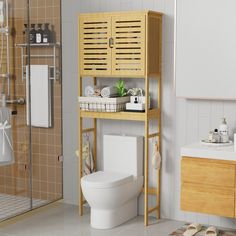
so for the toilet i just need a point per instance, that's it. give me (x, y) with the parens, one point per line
(113, 193)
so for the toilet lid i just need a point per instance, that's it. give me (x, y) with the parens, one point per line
(102, 179)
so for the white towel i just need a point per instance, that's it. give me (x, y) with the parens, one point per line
(6, 146)
(89, 91)
(92, 91)
(40, 85)
(109, 92)
(5, 115)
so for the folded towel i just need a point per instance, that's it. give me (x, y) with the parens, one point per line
(92, 91)
(192, 229)
(109, 92)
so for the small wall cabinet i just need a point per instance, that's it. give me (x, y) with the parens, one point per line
(120, 44)
(208, 186)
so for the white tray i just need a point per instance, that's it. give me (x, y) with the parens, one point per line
(206, 142)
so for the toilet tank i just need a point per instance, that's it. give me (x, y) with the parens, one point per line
(123, 154)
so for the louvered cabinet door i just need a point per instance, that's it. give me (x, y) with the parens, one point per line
(95, 53)
(128, 52)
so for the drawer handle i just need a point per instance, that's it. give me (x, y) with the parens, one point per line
(111, 42)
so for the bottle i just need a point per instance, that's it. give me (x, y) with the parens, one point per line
(25, 33)
(32, 34)
(53, 35)
(46, 33)
(39, 34)
(216, 136)
(223, 131)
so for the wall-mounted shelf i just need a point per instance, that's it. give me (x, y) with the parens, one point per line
(38, 45)
(54, 71)
(122, 45)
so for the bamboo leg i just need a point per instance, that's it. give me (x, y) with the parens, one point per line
(95, 135)
(146, 154)
(159, 121)
(80, 167)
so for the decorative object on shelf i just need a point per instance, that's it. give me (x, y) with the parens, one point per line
(92, 91)
(208, 143)
(135, 92)
(156, 157)
(137, 103)
(220, 135)
(223, 131)
(121, 88)
(103, 104)
(109, 92)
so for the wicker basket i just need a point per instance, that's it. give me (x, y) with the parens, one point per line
(99, 104)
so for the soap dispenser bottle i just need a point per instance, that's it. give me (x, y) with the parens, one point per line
(32, 34)
(223, 131)
(46, 33)
(39, 34)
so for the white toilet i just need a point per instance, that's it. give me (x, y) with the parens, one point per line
(112, 194)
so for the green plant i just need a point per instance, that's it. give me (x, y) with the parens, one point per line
(121, 89)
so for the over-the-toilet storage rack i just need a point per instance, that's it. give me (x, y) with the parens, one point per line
(128, 45)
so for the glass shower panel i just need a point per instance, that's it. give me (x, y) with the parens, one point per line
(46, 131)
(30, 80)
(15, 188)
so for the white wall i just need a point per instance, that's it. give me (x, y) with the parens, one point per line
(190, 120)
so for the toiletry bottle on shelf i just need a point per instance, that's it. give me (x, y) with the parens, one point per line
(25, 33)
(32, 34)
(39, 34)
(216, 136)
(46, 33)
(53, 35)
(223, 131)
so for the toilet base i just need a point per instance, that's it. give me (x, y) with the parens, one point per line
(106, 219)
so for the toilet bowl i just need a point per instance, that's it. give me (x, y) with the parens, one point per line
(113, 193)
(112, 198)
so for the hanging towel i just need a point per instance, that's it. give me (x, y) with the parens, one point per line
(5, 115)
(109, 92)
(41, 100)
(92, 91)
(6, 146)
(156, 157)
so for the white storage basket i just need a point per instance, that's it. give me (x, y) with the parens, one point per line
(99, 104)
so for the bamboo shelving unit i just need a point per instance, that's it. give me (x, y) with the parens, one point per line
(129, 45)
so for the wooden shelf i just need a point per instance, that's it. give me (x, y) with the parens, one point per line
(136, 116)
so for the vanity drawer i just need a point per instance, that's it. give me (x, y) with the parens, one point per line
(200, 171)
(208, 199)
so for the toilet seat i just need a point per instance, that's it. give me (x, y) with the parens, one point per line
(102, 179)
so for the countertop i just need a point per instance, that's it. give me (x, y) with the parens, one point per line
(199, 150)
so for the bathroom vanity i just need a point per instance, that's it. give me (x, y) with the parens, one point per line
(208, 180)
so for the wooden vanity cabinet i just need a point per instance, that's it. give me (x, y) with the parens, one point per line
(208, 186)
